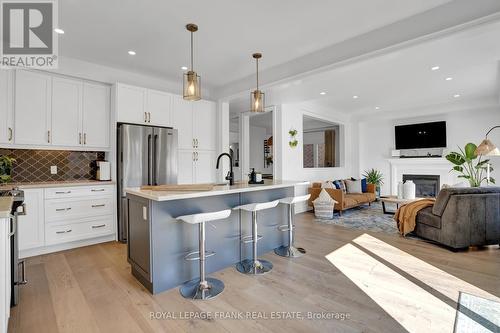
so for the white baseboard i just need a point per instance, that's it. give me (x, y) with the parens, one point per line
(65, 246)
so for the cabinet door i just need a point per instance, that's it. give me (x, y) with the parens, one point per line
(131, 104)
(30, 227)
(6, 110)
(182, 119)
(204, 167)
(96, 115)
(66, 112)
(185, 167)
(205, 124)
(158, 108)
(32, 108)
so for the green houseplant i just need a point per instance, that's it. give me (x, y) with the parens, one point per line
(469, 165)
(374, 177)
(293, 139)
(6, 163)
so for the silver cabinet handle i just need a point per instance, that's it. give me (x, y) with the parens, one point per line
(97, 206)
(84, 138)
(149, 118)
(98, 190)
(145, 117)
(196, 154)
(10, 134)
(196, 143)
(98, 226)
(63, 192)
(48, 136)
(193, 157)
(23, 273)
(194, 146)
(64, 231)
(63, 209)
(80, 138)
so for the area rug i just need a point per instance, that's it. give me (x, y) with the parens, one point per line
(477, 315)
(370, 218)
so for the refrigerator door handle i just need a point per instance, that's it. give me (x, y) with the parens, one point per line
(149, 160)
(155, 160)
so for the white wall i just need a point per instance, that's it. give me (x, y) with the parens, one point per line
(376, 136)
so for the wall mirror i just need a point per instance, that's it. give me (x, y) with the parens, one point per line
(321, 143)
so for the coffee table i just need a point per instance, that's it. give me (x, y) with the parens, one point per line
(394, 200)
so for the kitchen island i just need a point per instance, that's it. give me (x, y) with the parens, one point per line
(158, 243)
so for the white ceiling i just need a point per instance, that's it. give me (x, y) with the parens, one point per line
(230, 31)
(403, 79)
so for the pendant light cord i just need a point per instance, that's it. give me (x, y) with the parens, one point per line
(192, 51)
(257, 65)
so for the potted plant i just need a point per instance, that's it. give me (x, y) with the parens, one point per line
(6, 168)
(469, 165)
(376, 178)
(293, 138)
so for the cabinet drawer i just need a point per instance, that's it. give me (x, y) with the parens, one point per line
(78, 191)
(76, 208)
(61, 233)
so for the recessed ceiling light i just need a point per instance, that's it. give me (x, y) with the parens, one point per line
(449, 79)
(184, 68)
(131, 52)
(323, 93)
(377, 108)
(456, 95)
(435, 68)
(355, 96)
(59, 31)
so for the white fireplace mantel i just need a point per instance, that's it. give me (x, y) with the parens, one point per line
(421, 166)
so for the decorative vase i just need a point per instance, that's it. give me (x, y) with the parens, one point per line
(400, 190)
(409, 190)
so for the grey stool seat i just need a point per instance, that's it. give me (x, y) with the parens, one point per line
(202, 287)
(254, 266)
(290, 250)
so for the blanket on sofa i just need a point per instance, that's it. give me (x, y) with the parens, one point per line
(407, 214)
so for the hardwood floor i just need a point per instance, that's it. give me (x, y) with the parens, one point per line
(91, 289)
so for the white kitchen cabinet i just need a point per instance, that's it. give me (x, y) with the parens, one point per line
(204, 167)
(185, 174)
(31, 226)
(6, 109)
(96, 115)
(205, 125)
(158, 108)
(131, 104)
(182, 120)
(66, 118)
(32, 108)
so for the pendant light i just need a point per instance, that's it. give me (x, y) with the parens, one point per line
(192, 81)
(257, 96)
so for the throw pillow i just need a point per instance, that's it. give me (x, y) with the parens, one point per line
(353, 186)
(327, 184)
(324, 197)
(363, 185)
(337, 184)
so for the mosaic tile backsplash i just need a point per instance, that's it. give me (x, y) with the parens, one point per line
(34, 165)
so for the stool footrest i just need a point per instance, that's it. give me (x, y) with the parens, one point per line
(249, 239)
(190, 256)
(284, 227)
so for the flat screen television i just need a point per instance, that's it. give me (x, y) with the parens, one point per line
(424, 135)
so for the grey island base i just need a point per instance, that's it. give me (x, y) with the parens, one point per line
(158, 243)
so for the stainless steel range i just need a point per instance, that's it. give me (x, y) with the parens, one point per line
(18, 268)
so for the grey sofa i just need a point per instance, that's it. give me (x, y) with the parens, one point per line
(462, 217)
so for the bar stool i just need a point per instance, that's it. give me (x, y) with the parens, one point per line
(254, 266)
(290, 250)
(202, 287)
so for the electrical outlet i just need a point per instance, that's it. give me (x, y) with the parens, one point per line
(53, 169)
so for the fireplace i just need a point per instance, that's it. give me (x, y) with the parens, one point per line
(427, 186)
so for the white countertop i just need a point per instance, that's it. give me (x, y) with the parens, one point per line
(217, 190)
(5, 206)
(51, 184)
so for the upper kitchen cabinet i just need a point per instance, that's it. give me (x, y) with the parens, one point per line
(131, 104)
(158, 108)
(182, 120)
(66, 116)
(96, 115)
(205, 125)
(32, 108)
(6, 109)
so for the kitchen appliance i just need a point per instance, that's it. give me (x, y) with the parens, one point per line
(18, 276)
(103, 170)
(146, 156)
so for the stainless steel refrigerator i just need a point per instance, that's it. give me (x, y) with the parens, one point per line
(146, 156)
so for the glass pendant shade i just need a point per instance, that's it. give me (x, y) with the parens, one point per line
(192, 86)
(257, 99)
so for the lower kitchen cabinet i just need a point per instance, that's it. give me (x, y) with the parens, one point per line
(62, 218)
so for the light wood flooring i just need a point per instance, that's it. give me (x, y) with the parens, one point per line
(91, 289)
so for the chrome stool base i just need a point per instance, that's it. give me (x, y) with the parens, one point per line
(247, 266)
(290, 251)
(195, 290)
